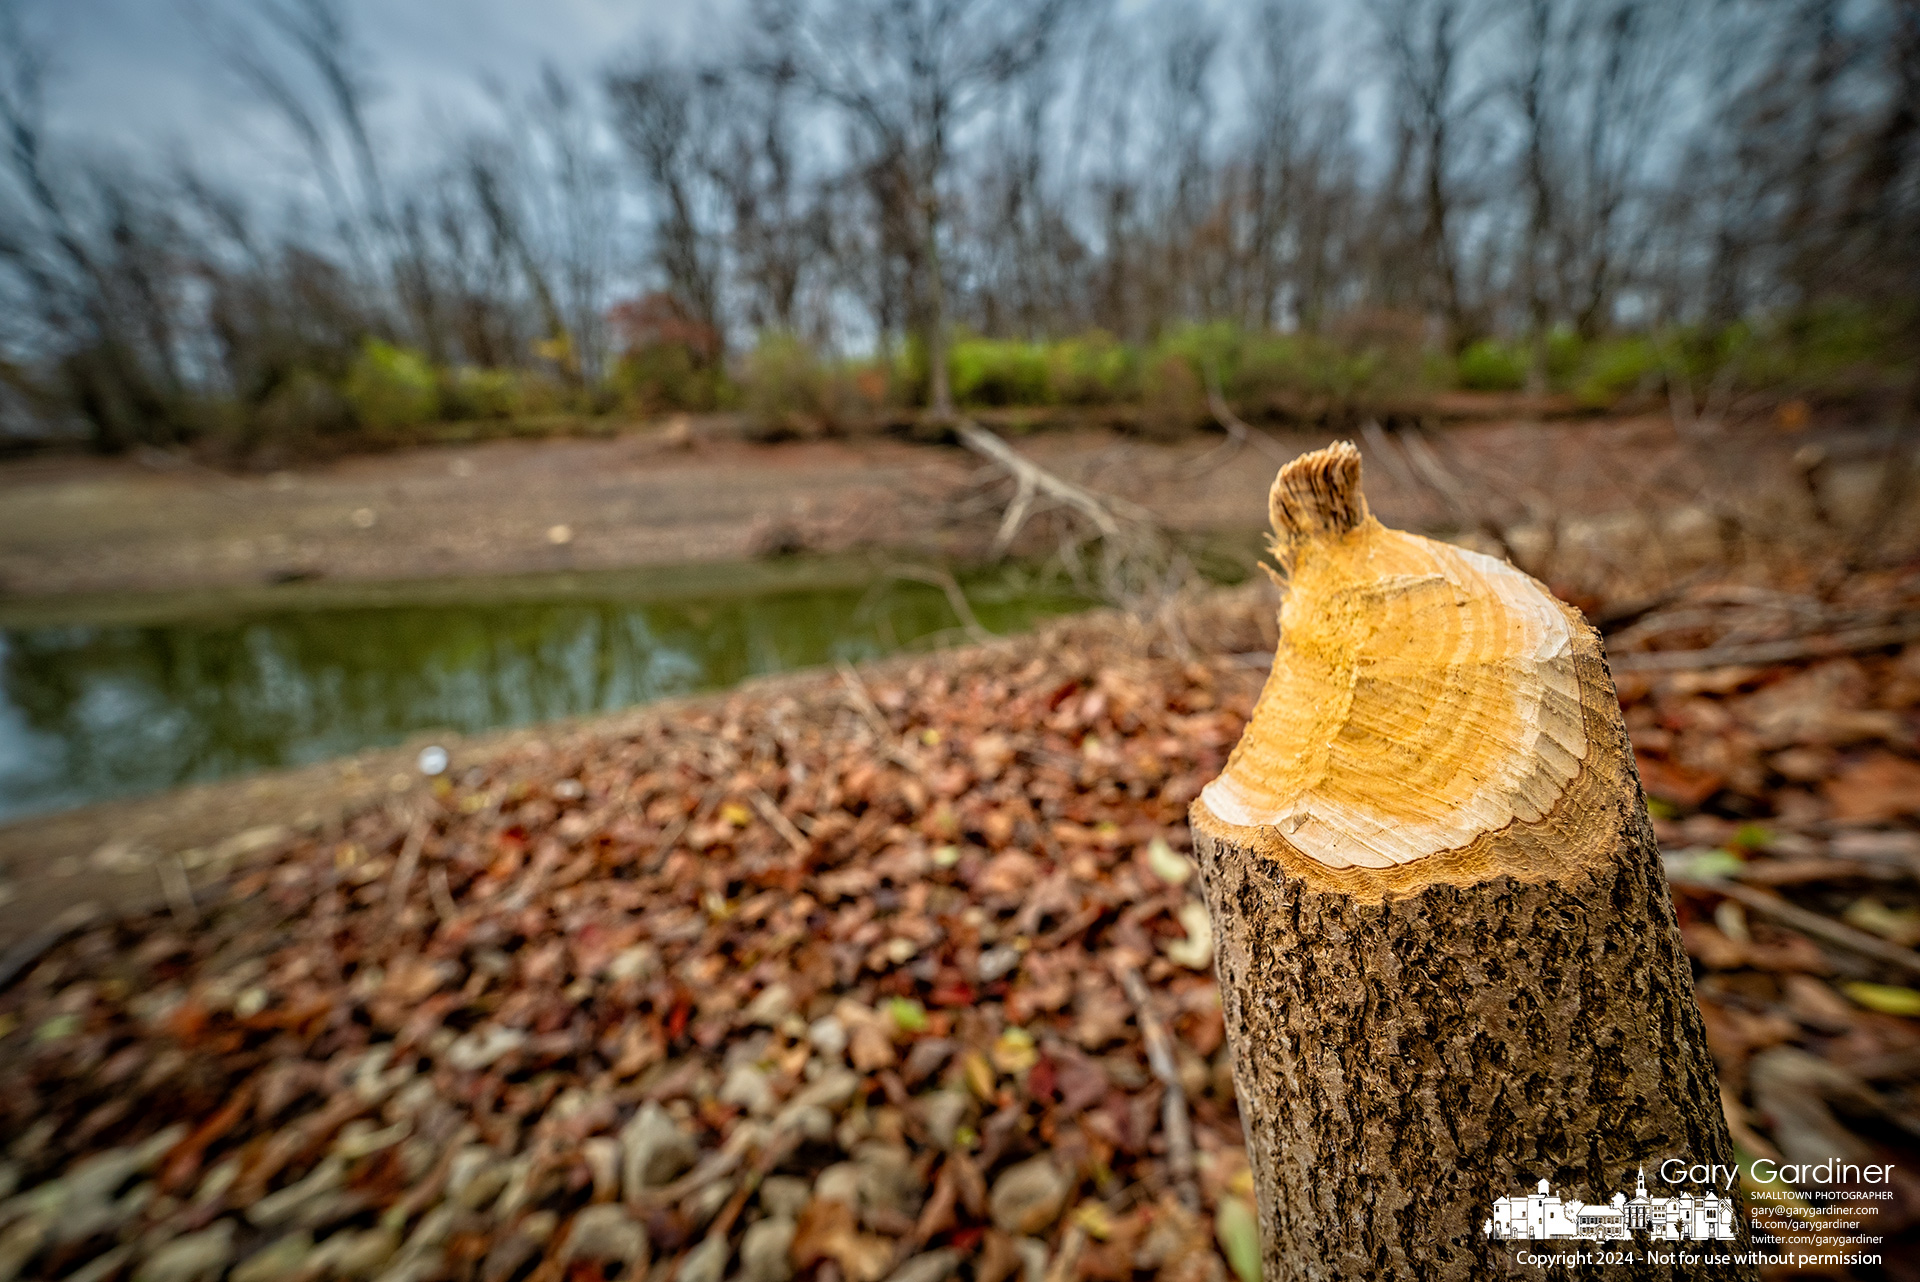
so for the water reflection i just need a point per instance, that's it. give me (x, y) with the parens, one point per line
(88, 712)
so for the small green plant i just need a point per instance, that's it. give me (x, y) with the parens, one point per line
(1493, 366)
(391, 387)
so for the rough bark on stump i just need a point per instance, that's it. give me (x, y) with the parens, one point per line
(1447, 953)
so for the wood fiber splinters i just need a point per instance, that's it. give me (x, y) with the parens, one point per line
(1448, 958)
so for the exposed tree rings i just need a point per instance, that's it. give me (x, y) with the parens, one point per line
(1568, 840)
(1421, 695)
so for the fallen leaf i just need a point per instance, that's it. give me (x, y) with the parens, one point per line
(1239, 1234)
(1874, 790)
(1014, 1051)
(1168, 865)
(1195, 952)
(827, 1230)
(1888, 999)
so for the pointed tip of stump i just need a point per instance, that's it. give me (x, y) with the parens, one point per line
(1317, 496)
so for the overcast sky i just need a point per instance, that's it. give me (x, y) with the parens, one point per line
(139, 78)
(138, 73)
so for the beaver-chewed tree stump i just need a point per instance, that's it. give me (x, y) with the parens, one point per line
(1447, 953)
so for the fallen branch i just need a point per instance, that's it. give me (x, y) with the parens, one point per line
(1104, 513)
(1771, 906)
(1173, 1105)
(1239, 435)
(1382, 450)
(1141, 568)
(1819, 646)
(956, 598)
(1448, 487)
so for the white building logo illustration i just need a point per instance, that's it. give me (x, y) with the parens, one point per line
(1543, 1215)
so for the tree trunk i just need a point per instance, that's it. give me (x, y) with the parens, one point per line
(940, 387)
(1447, 953)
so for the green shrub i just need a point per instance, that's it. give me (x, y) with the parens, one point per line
(303, 407)
(665, 377)
(782, 379)
(1278, 366)
(391, 387)
(1492, 366)
(1093, 369)
(1617, 367)
(1565, 353)
(911, 380)
(1270, 365)
(1211, 351)
(470, 392)
(988, 371)
(1381, 353)
(296, 419)
(1835, 346)
(1173, 395)
(539, 393)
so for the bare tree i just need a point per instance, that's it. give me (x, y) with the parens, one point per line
(910, 75)
(865, 171)
(1425, 45)
(663, 112)
(77, 254)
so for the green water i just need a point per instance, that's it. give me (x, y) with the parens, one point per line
(128, 697)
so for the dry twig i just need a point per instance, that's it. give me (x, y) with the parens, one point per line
(956, 598)
(1173, 1107)
(1770, 905)
(781, 824)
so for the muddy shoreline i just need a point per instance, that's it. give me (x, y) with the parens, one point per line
(87, 532)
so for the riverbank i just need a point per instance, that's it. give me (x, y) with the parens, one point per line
(87, 537)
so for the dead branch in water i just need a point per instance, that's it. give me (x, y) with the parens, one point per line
(1032, 479)
(1139, 566)
(956, 597)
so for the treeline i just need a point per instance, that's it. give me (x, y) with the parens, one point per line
(880, 203)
